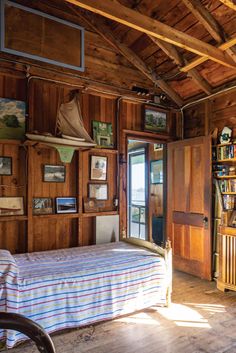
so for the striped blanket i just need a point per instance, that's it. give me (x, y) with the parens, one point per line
(79, 286)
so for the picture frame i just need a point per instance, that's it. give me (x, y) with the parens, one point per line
(156, 171)
(12, 119)
(90, 205)
(98, 191)
(155, 119)
(54, 173)
(5, 165)
(11, 206)
(98, 169)
(158, 147)
(42, 205)
(102, 134)
(66, 205)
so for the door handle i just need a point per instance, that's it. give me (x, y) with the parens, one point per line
(205, 222)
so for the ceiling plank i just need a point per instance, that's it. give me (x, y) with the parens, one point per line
(229, 3)
(145, 24)
(210, 23)
(201, 60)
(174, 54)
(98, 25)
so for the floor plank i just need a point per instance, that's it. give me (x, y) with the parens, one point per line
(201, 319)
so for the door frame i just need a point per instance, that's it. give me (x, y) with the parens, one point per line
(145, 137)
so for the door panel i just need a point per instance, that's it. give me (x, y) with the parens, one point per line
(189, 205)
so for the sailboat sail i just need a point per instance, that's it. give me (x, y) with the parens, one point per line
(70, 123)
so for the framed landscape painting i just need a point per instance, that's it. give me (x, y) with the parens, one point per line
(155, 119)
(12, 119)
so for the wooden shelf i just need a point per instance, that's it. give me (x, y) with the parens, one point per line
(58, 215)
(224, 160)
(224, 144)
(13, 218)
(227, 230)
(226, 177)
(228, 193)
(103, 213)
(12, 142)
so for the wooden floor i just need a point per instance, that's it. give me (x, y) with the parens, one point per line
(200, 319)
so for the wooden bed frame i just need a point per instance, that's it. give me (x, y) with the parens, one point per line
(166, 253)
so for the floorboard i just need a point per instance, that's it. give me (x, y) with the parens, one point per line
(201, 319)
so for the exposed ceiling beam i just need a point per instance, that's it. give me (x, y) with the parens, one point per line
(121, 14)
(201, 60)
(174, 54)
(210, 23)
(98, 25)
(230, 3)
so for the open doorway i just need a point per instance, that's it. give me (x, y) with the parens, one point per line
(146, 190)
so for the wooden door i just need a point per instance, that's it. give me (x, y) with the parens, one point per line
(189, 205)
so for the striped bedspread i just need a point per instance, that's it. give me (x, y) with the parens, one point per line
(79, 286)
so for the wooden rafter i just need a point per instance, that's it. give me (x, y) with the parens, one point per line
(210, 24)
(201, 60)
(174, 54)
(102, 29)
(145, 24)
(229, 3)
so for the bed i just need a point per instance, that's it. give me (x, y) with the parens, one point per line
(80, 286)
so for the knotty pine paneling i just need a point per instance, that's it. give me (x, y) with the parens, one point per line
(13, 236)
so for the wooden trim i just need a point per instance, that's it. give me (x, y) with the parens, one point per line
(133, 19)
(229, 3)
(147, 136)
(13, 218)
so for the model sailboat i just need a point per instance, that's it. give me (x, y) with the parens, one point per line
(69, 126)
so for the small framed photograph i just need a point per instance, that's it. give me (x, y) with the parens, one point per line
(5, 166)
(102, 134)
(42, 205)
(98, 191)
(54, 173)
(155, 119)
(157, 147)
(90, 205)
(98, 168)
(11, 206)
(66, 205)
(156, 172)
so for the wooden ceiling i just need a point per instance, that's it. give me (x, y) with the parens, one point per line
(187, 48)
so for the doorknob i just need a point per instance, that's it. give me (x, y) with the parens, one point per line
(205, 222)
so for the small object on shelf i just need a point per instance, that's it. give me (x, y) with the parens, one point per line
(102, 134)
(228, 202)
(11, 206)
(42, 205)
(232, 220)
(225, 136)
(66, 205)
(232, 170)
(90, 205)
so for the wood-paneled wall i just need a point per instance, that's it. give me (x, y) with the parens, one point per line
(217, 112)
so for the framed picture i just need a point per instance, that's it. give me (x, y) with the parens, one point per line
(102, 134)
(42, 205)
(98, 191)
(5, 166)
(155, 119)
(90, 205)
(157, 147)
(11, 206)
(12, 119)
(98, 168)
(54, 173)
(156, 171)
(66, 205)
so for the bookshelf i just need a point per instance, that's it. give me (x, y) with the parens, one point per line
(224, 174)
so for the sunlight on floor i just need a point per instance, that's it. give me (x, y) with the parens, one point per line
(139, 318)
(184, 315)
